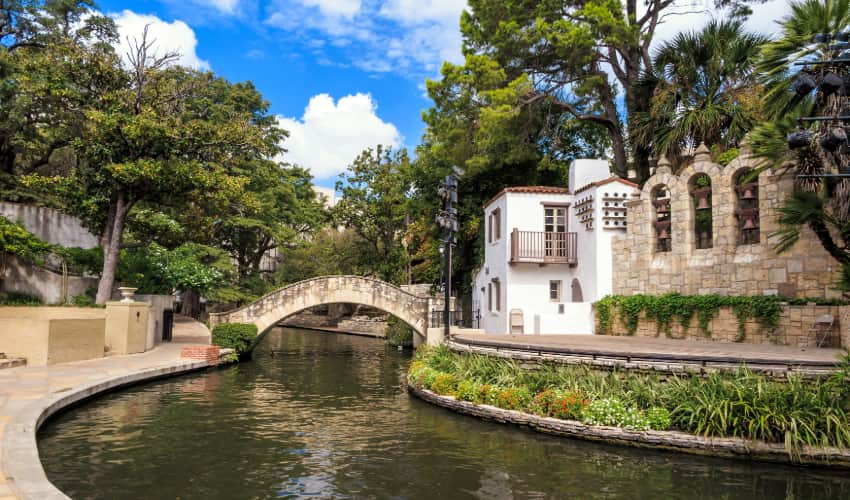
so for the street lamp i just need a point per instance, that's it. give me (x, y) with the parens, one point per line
(447, 219)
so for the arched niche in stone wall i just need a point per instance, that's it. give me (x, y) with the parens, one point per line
(745, 186)
(701, 192)
(661, 200)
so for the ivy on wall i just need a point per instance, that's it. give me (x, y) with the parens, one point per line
(664, 309)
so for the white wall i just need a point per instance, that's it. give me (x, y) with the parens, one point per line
(495, 266)
(587, 171)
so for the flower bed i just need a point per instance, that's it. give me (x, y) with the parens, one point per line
(796, 414)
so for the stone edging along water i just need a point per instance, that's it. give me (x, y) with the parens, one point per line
(21, 463)
(662, 440)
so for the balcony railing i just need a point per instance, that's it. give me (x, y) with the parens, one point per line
(544, 248)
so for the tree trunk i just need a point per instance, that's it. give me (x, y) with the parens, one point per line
(112, 248)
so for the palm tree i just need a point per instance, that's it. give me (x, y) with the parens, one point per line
(704, 90)
(821, 205)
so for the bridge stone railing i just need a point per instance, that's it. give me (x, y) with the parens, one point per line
(266, 311)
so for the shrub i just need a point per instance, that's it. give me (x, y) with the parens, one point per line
(83, 300)
(445, 384)
(568, 406)
(467, 390)
(399, 332)
(19, 299)
(484, 394)
(658, 418)
(512, 398)
(429, 376)
(237, 336)
(612, 412)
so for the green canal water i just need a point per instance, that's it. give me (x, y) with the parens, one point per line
(327, 416)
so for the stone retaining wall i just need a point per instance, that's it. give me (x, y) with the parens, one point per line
(796, 327)
(665, 440)
(378, 328)
(658, 367)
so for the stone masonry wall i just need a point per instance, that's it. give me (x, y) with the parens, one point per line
(796, 327)
(805, 270)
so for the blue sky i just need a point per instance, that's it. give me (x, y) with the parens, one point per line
(341, 74)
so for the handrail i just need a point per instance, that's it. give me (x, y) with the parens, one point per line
(317, 278)
(544, 247)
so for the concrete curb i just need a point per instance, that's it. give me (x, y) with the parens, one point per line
(20, 460)
(661, 440)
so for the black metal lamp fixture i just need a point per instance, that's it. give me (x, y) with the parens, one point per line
(800, 138)
(833, 138)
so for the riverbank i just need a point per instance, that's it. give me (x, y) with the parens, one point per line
(744, 414)
(30, 395)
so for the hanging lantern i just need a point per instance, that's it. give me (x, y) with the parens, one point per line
(833, 138)
(799, 138)
(803, 84)
(831, 83)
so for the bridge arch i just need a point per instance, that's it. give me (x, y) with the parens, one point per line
(268, 310)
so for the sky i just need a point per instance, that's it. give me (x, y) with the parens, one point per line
(341, 75)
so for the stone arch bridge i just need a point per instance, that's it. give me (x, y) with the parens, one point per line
(275, 306)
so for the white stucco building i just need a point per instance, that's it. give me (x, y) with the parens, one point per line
(547, 253)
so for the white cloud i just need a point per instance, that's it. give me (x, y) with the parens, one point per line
(175, 36)
(344, 8)
(409, 37)
(419, 11)
(329, 135)
(225, 6)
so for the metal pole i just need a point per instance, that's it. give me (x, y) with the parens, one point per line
(448, 287)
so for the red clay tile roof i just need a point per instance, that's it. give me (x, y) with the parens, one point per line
(528, 189)
(609, 180)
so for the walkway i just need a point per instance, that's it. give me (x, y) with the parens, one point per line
(28, 395)
(654, 354)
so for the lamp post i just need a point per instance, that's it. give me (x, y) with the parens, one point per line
(447, 219)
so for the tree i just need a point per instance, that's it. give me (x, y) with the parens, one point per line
(704, 90)
(53, 55)
(822, 205)
(160, 134)
(566, 49)
(279, 209)
(374, 205)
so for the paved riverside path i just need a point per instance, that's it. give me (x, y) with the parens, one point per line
(659, 348)
(26, 393)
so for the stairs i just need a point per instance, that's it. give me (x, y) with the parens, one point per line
(10, 362)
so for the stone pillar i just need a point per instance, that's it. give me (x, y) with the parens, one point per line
(126, 327)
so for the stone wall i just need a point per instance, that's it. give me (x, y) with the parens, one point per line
(359, 324)
(796, 327)
(729, 268)
(50, 287)
(50, 224)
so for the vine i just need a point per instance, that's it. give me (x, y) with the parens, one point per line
(663, 309)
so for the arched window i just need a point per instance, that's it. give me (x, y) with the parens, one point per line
(747, 206)
(577, 295)
(660, 197)
(700, 187)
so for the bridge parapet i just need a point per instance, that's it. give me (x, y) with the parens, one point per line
(266, 311)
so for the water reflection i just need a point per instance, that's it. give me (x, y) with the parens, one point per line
(327, 415)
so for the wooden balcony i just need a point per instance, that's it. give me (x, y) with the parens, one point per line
(539, 247)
